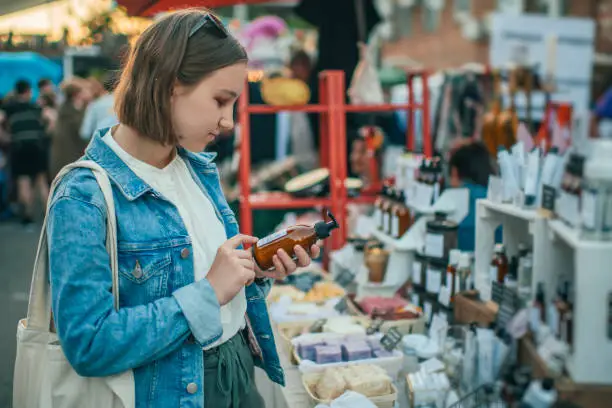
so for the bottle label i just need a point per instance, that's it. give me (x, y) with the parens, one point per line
(589, 209)
(434, 281)
(449, 281)
(271, 237)
(607, 223)
(378, 217)
(493, 273)
(395, 226)
(385, 222)
(434, 245)
(416, 273)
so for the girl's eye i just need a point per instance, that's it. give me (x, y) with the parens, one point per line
(221, 102)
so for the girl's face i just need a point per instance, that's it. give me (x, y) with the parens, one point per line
(201, 112)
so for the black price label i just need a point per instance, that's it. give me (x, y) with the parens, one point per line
(375, 326)
(507, 308)
(497, 292)
(391, 339)
(345, 278)
(341, 306)
(549, 195)
(317, 327)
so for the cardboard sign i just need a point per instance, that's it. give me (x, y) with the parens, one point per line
(341, 306)
(375, 326)
(391, 339)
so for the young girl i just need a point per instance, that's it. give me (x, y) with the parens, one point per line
(192, 320)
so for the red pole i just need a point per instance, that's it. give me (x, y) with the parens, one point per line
(246, 212)
(427, 142)
(410, 114)
(323, 121)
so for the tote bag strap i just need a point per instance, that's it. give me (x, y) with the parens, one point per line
(39, 304)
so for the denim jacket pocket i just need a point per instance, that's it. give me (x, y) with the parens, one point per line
(143, 272)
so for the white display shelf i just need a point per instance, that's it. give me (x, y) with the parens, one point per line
(412, 240)
(587, 265)
(559, 254)
(519, 225)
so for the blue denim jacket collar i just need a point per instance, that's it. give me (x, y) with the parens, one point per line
(129, 183)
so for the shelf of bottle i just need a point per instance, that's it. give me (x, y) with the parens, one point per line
(282, 108)
(282, 200)
(383, 107)
(268, 109)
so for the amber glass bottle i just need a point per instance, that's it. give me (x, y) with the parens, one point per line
(499, 264)
(302, 235)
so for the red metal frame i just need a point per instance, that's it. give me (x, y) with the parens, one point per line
(333, 149)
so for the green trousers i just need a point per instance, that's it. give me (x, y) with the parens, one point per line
(229, 376)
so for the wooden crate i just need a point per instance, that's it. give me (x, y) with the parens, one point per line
(468, 310)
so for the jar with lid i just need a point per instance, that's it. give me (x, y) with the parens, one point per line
(386, 211)
(440, 237)
(499, 264)
(596, 200)
(400, 216)
(451, 270)
(463, 277)
(378, 206)
(436, 271)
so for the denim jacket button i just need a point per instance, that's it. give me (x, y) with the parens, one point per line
(192, 388)
(137, 271)
(185, 253)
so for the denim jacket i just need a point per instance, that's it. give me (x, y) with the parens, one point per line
(165, 318)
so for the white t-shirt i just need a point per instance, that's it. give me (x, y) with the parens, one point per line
(207, 233)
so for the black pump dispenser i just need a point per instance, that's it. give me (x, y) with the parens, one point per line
(323, 229)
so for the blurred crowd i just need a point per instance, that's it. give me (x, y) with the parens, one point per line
(40, 136)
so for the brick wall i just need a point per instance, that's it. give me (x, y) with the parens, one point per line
(443, 48)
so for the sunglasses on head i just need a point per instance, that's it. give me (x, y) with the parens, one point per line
(214, 25)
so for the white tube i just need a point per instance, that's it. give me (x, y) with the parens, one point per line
(508, 174)
(533, 177)
(550, 166)
(485, 356)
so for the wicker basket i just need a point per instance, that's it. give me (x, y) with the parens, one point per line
(404, 326)
(384, 401)
(289, 330)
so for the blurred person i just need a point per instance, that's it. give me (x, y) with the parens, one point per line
(24, 122)
(184, 327)
(49, 112)
(66, 144)
(470, 166)
(95, 87)
(45, 88)
(100, 113)
(300, 65)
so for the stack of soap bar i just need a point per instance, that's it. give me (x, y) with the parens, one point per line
(306, 349)
(328, 354)
(356, 351)
(335, 342)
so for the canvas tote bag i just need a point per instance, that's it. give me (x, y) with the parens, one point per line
(43, 376)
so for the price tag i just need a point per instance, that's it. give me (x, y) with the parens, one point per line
(444, 296)
(317, 326)
(549, 196)
(345, 277)
(391, 339)
(341, 306)
(375, 326)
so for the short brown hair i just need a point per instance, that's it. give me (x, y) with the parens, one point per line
(165, 52)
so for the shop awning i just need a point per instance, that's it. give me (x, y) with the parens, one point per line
(152, 7)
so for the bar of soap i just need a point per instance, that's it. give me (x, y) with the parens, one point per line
(356, 351)
(306, 349)
(328, 354)
(374, 344)
(378, 353)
